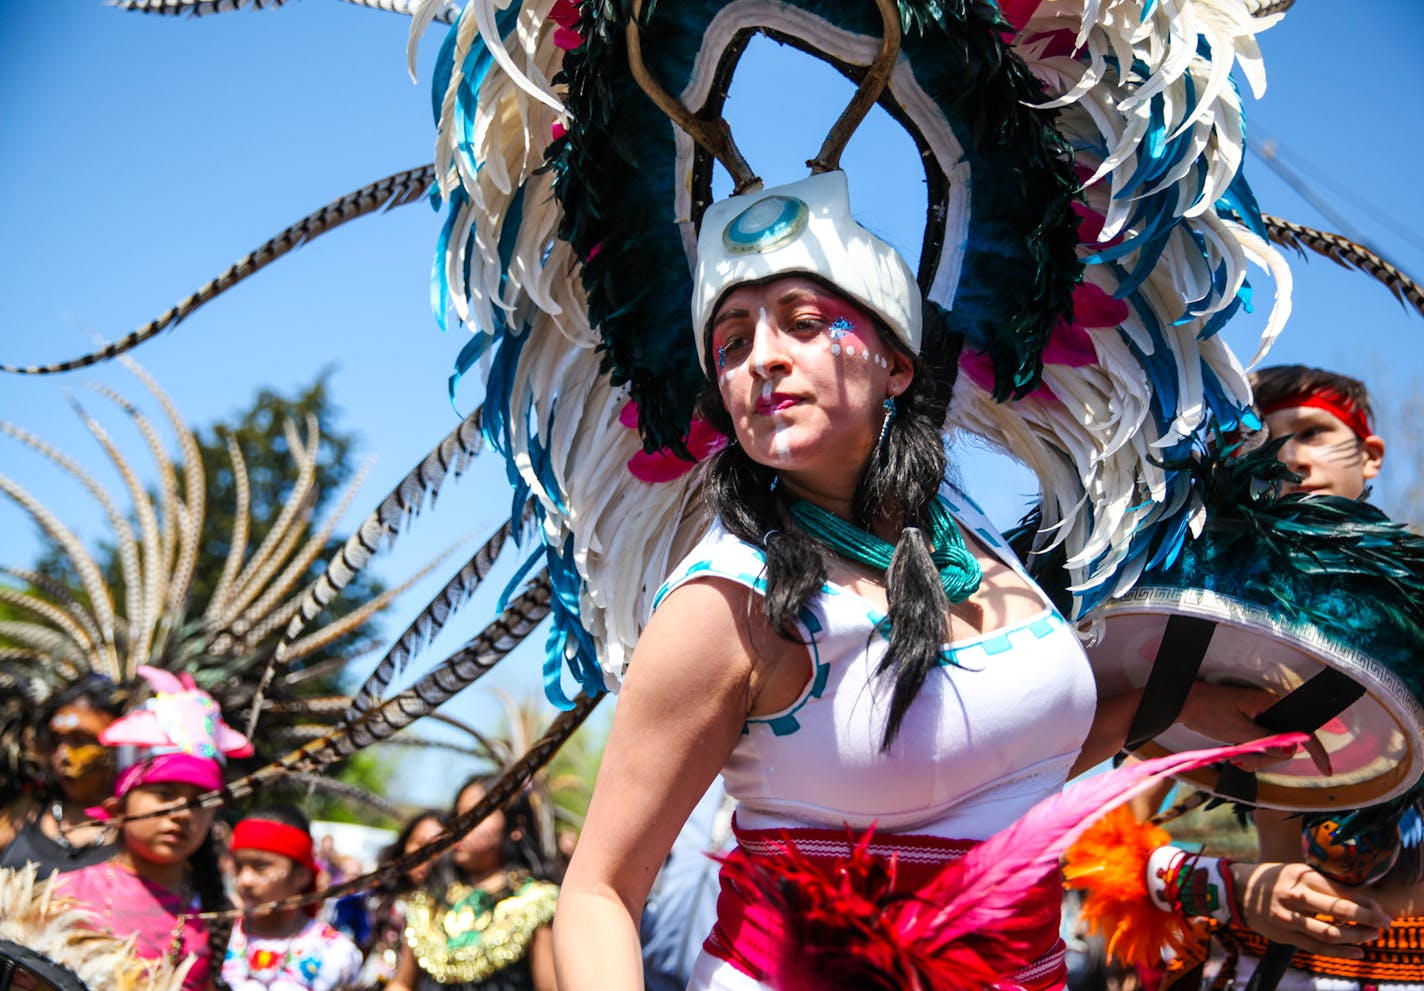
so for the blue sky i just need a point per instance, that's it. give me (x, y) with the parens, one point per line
(143, 155)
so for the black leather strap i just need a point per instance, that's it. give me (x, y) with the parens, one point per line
(1185, 640)
(1327, 694)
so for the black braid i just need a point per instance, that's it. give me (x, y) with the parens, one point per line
(900, 483)
(212, 896)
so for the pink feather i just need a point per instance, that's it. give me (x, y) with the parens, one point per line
(846, 925)
(137, 729)
(161, 680)
(979, 892)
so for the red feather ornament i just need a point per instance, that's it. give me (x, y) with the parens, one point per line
(846, 926)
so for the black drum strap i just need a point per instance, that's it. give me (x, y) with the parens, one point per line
(1327, 694)
(1185, 640)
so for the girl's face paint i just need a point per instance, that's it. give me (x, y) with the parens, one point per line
(796, 402)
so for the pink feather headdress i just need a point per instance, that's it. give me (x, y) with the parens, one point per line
(180, 718)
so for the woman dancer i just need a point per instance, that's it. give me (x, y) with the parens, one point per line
(55, 832)
(852, 644)
(394, 893)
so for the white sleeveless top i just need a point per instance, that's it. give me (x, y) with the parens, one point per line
(992, 732)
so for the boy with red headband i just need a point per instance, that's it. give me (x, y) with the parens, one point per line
(284, 949)
(1326, 417)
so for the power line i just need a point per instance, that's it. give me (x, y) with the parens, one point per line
(1268, 152)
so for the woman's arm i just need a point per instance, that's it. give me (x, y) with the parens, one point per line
(407, 973)
(1282, 902)
(682, 707)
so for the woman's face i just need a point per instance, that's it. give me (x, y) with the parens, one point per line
(82, 765)
(479, 849)
(804, 374)
(425, 831)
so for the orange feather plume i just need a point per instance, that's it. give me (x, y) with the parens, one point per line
(1109, 862)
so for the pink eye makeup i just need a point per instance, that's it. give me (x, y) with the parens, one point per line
(843, 328)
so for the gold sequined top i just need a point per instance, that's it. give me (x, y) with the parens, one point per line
(473, 933)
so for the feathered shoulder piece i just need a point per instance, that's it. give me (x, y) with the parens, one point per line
(50, 940)
(1087, 235)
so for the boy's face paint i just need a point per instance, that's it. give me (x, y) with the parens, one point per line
(1330, 458)
(261, 876)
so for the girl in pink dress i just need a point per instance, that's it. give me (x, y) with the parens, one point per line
(165, 870)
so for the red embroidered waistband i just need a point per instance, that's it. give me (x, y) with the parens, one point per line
(752, 935)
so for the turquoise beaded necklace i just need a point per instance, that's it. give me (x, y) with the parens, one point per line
(959, 571)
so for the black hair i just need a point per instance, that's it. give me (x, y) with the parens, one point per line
(523, 845)
(286, 814)
(396, 883)
(899, 484)
(212, 896)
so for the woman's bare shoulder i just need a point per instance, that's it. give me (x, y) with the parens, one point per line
(700, 631)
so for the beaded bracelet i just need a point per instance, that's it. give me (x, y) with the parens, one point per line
(1192, 885)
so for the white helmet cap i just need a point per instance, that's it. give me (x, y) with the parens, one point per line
(802, 227)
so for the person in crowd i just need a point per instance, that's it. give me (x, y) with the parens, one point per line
(53, 830)
(481, 923)
(1326, 420)
(392, 894)
(350, 913)
(165, 870)
(282, 948)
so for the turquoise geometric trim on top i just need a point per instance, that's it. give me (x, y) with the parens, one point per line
(999, 643)
(756, 582)
(787, 723)
(986, 536)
